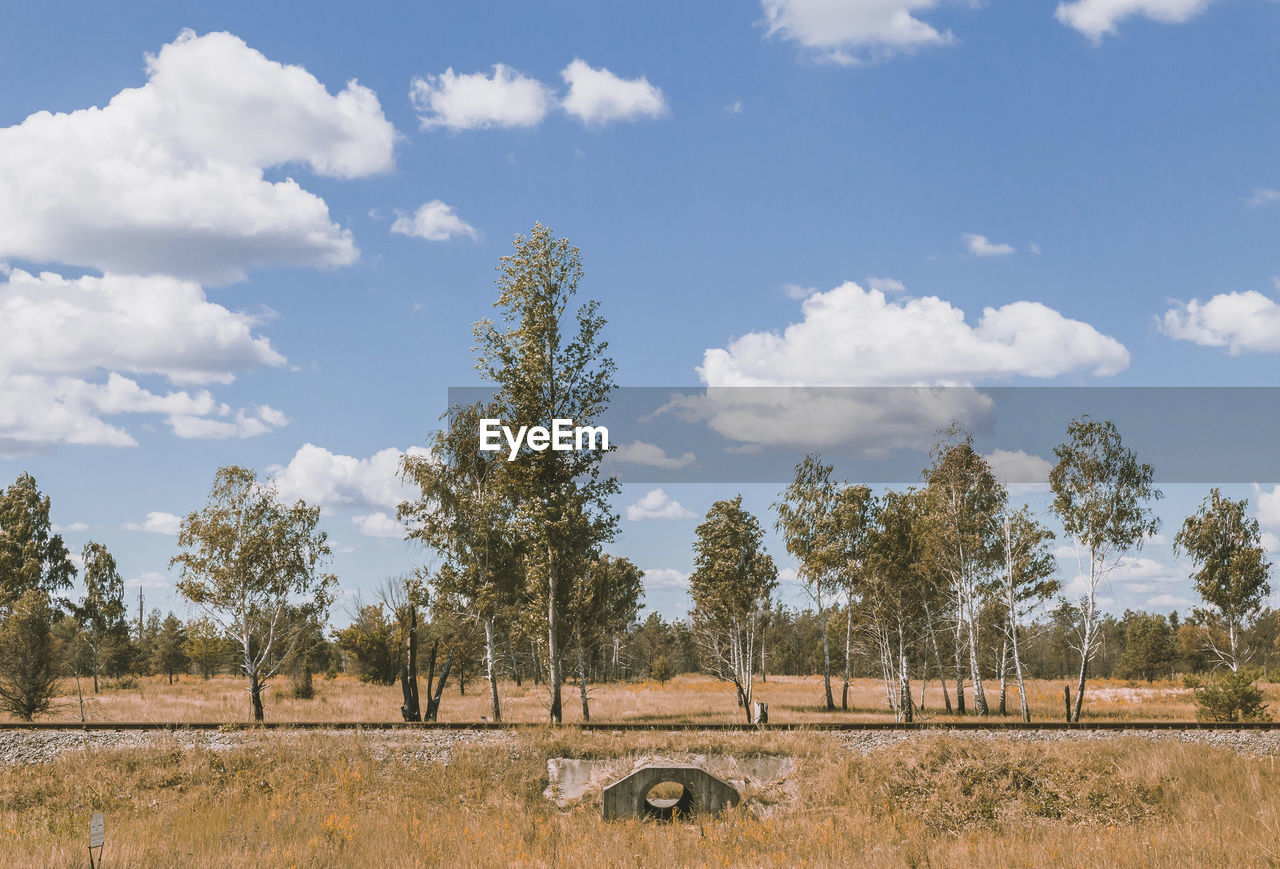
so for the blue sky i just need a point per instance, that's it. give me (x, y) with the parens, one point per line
(864, 171)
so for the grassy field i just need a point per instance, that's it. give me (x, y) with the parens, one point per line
(698, 699)
(314, 800)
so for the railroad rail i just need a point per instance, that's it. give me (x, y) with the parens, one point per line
(631, 726)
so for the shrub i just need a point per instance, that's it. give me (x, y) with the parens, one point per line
(29, 663)
(1232, 696)
(660, 669)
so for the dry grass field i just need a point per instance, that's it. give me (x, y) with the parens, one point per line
(698, 699)
(319, 800)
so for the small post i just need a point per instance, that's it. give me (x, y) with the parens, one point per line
(96, 838)
(760, 713)
(1066, 699)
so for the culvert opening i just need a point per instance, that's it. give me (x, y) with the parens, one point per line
(668, 800)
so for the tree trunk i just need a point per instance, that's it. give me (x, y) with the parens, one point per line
(1084, 667)
(826, 665)
(411, 710)
(582, 681)
(937, 658)
(1017, 669)
(959, 673)
(848, 653)
(979, 693)
(491, 662)
(1004, 676)
(554, 676)
(255, 696)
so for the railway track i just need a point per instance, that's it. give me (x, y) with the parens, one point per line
(626, 727)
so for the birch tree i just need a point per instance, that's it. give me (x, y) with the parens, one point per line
(604, 602)
(732, 581)
(32, 554)
(101, 612)
(1100, 494)
(806, 518)
(964, 500)
(1225, 543)
(465, 514)
(246, 558)
(1026, 582)
(550, 362)
(853, 517)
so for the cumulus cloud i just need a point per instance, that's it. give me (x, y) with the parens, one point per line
(853, 32)
(1098, 18)
(378, 525)
(980, 245)
(597, 96)
(433, 221)
(651, 456)
(1019, 467)
(657, 504)
(149, 579)
(168, 178)
(319, 476)
(886, 285)
(1267, 506)
(38, 411)
(64, 326)
(504, 98)
(665, 579)
(156, 523)
(852, 336)
(1244, 322)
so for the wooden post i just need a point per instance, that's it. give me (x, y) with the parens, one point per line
(1066, 698)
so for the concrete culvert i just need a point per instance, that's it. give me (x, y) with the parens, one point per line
(667, 792)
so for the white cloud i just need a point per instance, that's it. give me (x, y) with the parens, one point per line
(651, 455)
(472, 101)
(319, 476)
(156, 523)
(886, 285)
(433, 221)
(853, 31)
(378, 525)
(979, 245)
(1098, 18)
(245, 424)
(795, 291)
(665, 579)
(141, 325)
(1034, 248)
(38, 411)
(734, 108)
(75, 527)
(597, 96)
(1018, 466)
(167, 178)
(852, 336)
(1267, 506)
(1262, 196)
(1243, 322)
(150, 579)
(1172, 601)
(657, 504)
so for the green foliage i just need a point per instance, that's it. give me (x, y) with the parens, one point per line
(31, 555)
(372, 641)
(169, 655)
(660, 669)
(1225, 543)
(1231, 696)
(206, 647)
(30, 662)
(1150, 646)
(246, 558)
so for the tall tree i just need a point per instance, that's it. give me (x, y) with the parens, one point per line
(1100, 493)
(853, 516)
(29, 659)
(806, 518)
(1225, 543)
(206, 646)
(1026, 582)
(247, 557)
(549, 362)
(604, 601)
(732, 581)
(31, 554)
(964, 500)
(170, 656)
(465, 514)
(101, 612)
